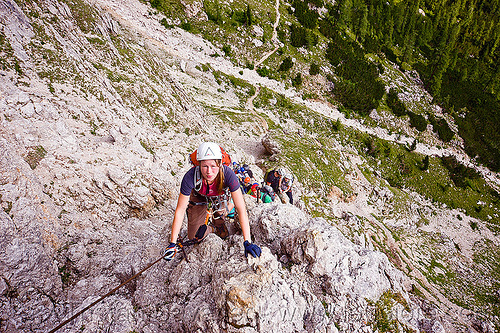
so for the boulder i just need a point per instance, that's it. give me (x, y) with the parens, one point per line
(349, 268)
(224, 288)
(272, 146)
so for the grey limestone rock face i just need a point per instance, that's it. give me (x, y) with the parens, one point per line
(350, 269)
(94, 207)
(273, 222)
(256, 294)
(271, 145)
(17, 27)
(30, 235)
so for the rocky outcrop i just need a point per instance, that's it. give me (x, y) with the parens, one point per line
(236, 294)
(272, 146)
(31, 234)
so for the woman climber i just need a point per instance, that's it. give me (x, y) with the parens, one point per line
(207, 189)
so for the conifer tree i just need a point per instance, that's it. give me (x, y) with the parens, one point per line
(345, 9)
(359, 18)
(249, 16)
(286, 64)
(388, 37)
(425, 32)
(425, 163)
(399, 19)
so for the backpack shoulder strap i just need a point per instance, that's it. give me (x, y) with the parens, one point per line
(197, 179)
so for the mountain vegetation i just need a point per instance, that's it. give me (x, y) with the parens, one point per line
(454, 46)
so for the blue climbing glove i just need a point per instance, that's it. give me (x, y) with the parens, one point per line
(170, 251)
(253, 249)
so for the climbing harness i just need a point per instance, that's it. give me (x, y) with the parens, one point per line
(215, 204)
(181, 244)
(216, 209)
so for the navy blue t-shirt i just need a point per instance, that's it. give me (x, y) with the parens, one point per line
(273, 181)
(230, 180)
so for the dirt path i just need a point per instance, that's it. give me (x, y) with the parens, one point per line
(249, 104)
(274, 39)
(249, 107)
(326, 110)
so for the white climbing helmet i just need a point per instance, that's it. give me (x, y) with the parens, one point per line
(208, 151)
